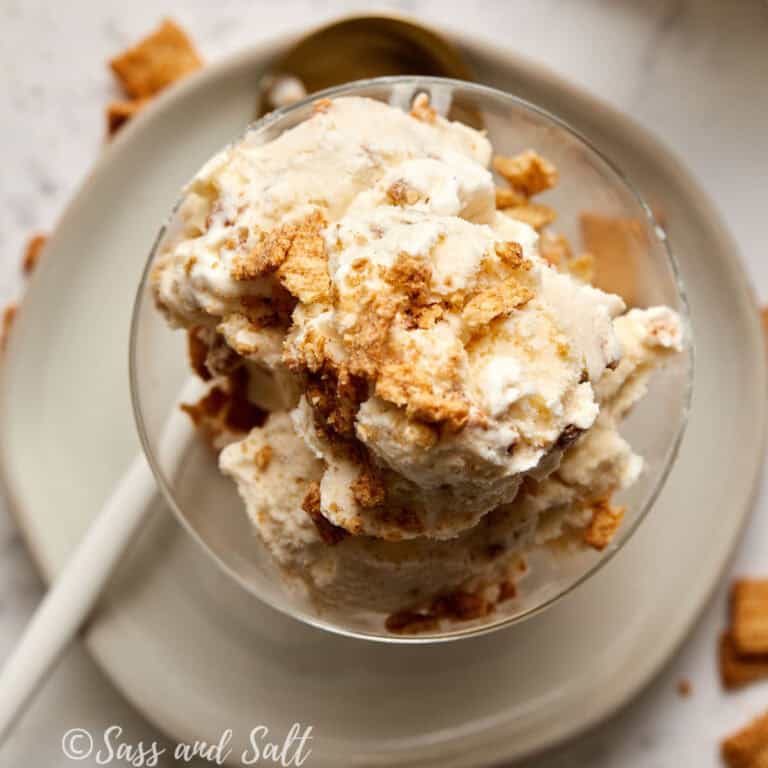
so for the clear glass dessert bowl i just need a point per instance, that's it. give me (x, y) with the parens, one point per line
(598, 210)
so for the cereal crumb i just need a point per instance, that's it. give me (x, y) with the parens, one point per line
(197, 351)
(684, 687)
(582, 267)
(555, 248)
(509, 198)
(368, 488)
(749, 616)
(155, 62)
(321, 106)
(736, 670)
(331, 534)
(120, 112)
(9, 315)
(534, 214)
(748, 747)
(32, 252)
(422, 110)
(263, 457)
(604, 524)
(527, 173)
(401, 193)
(496, 301)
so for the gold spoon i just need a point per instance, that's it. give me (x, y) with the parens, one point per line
(356, 48)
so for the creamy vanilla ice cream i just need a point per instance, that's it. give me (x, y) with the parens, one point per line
(447, 398)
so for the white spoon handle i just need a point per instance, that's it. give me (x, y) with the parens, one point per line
(71, 598)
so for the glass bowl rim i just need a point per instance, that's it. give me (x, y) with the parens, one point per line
(626, 533)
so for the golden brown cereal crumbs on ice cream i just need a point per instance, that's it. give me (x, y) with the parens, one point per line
(331, 534)
(494, 302)
(416, 391)
(605, 521)
(401, 193)
(296, 251)
(421, 109)
(509, 198)
(263, 457)
(554, 248)
(197, 351)
(527, 173)
(368, 488)
(534, 214)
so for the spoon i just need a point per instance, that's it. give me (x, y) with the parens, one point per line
(357, 48)
(353, 48)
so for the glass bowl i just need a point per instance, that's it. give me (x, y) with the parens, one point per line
(207, 503)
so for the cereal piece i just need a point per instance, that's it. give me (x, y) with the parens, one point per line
(533, 214)
(400, 193)
(604, 524)
(737, 671)
(528, 173)
(426, 317)
(684, 688)
(411, 623)
(510, 253)
(368, 488)
(207, 413)
(120, 112)
(461, 605)
(335, 398)
(749, 616)
(321, 106)
(404, 385)
(197, 351)
(296, 252)
(554, 248)
(331, 534)
(304, 273)
(263, 457)
(242, 415)
(265, 257)
(582, 267)
(157, 61)
(507, 591)
(421, 110)
(225, 412)
(494, 302)
(509, 198)
(9, 315)
(411, 276)
(618, 245)
(748, 748)
(32, 252)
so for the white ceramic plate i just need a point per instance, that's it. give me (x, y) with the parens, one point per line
(196, 654)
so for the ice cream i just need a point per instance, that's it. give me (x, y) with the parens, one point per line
(447, 398)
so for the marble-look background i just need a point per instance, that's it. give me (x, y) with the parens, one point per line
(695, 72)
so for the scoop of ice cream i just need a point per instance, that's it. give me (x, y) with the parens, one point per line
(274, 469)
(435, 361)
(475, 362)
(348, 148)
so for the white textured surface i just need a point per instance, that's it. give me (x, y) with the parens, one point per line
(693, 71)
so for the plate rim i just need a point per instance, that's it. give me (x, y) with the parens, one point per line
(640, 135)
